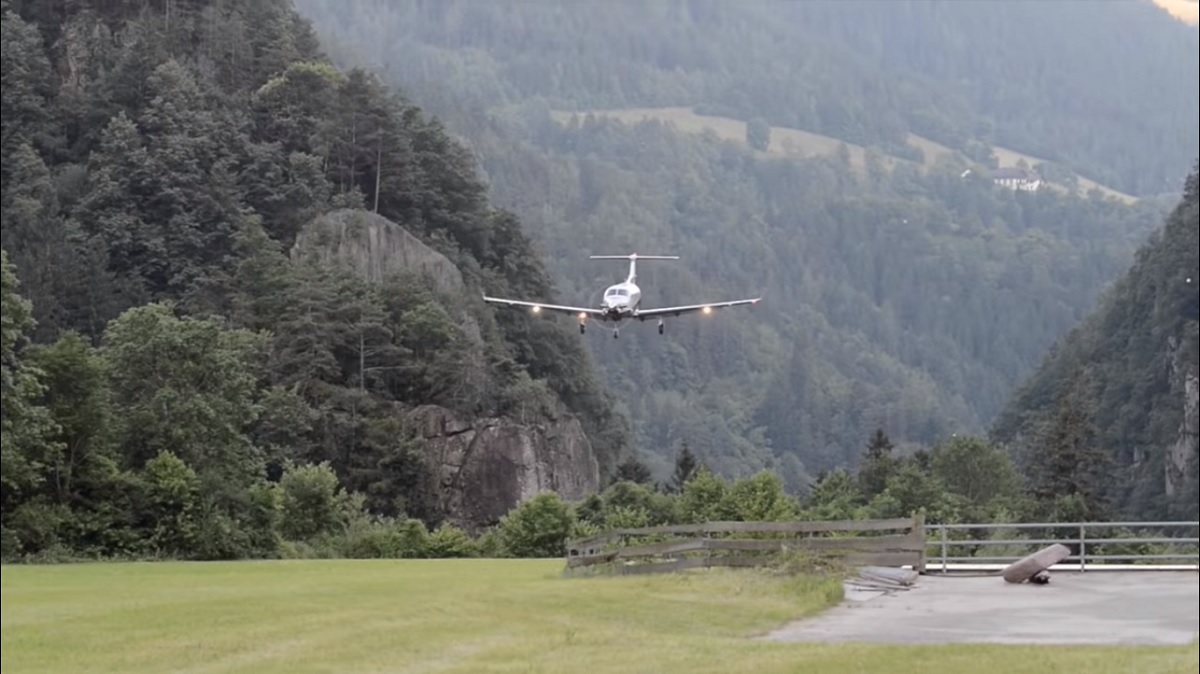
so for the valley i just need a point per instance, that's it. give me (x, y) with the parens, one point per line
(246, 244)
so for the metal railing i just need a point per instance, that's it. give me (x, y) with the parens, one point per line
(1136, 544)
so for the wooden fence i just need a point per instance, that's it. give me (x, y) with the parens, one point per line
(748, 544)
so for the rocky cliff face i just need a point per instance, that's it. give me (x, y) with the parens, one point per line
(376, 247)
(483, 466)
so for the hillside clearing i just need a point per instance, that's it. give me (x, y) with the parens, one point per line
(788, 142)
(458, 616)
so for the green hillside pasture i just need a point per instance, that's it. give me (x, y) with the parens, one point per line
(459, 616)
(787, 142)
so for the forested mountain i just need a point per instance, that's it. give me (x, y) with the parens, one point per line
(911, 300)
(1109, 89)
(176, 337)
(1127, 379)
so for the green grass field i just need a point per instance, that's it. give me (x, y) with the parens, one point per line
(460, 616)
(786, 142)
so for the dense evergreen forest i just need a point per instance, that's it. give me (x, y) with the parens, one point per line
(1127, 377)
(166, 355)
(912, 300)
(1108, 89)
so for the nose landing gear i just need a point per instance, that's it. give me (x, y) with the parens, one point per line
(616, 332)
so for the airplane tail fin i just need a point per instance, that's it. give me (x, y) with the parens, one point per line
(633, 258)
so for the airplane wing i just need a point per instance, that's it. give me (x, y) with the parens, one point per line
(539, 306)
(676, 311)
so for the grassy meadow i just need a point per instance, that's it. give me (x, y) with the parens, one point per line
(460, 616)
(787, 142)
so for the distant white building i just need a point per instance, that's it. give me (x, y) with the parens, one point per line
(1017, 178)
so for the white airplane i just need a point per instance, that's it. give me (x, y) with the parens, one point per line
(622, 301)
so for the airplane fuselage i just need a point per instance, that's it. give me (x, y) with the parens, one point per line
(621, 301)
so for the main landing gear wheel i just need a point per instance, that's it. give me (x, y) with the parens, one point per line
(582, 328)
(616, 333)
(661, 327)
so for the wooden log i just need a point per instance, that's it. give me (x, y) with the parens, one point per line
(1032, 565)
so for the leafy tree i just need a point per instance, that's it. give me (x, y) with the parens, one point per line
(538, 527)
(171, 510)
(28, 449)
(759, 497)
(188, 384)
(980, 473)
(910, 490)
(703, 498)
(835, 497)
(313, 503)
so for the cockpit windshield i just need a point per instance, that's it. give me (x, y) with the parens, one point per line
(617, 292)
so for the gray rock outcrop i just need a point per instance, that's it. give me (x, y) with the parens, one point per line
(486, 467)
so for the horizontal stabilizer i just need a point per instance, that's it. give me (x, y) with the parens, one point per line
(633, 256)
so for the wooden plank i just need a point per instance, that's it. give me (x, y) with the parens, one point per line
(772, 527)
(589, 560)
(904, 542)
(888, 559)
(750, 560)
(664, 548)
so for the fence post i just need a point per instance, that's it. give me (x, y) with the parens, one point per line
(1082, 548)
(919, 534)
(945, 553)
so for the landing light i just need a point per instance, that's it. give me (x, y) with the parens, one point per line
(582, 315)
(536, 309)
(707, 310)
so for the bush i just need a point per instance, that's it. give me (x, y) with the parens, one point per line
(538, 528)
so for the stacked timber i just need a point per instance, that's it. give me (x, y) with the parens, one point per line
(885, 578)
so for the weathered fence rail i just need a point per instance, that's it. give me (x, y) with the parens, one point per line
(748, 544)
(1095, 545)
(902, 542)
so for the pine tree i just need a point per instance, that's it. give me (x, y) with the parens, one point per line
(633, 470)
(877, 465)
(686, 466)
(1067, 464)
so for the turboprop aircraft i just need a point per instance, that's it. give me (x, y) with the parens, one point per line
(622, 301)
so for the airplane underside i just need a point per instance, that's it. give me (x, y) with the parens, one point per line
(616, 316)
